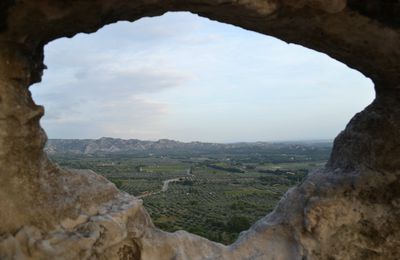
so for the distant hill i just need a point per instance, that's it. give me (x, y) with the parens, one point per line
(107, 145)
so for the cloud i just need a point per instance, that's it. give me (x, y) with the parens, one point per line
(122, 118)
(183, 77)
(103, 96)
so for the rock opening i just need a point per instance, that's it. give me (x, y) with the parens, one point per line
(349, 210)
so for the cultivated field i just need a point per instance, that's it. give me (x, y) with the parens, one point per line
(215, 196)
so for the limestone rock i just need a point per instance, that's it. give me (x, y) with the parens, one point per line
(348, 210)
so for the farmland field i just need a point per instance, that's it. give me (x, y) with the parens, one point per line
(213, 195)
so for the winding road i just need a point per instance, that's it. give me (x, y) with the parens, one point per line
(165, 186)
(166, 182)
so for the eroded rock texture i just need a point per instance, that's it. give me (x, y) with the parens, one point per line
(348, 210)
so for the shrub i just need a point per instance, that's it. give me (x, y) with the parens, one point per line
(237, 224)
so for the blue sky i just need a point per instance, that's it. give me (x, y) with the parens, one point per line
(183, 77)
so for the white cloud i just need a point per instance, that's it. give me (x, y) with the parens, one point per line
(187, 78)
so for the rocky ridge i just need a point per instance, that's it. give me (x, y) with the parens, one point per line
(116, 145)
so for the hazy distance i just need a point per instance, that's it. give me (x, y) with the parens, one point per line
(183, 77)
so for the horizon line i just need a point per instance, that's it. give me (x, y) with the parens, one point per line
(197, 141)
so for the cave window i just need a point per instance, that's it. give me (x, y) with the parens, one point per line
(182, 77)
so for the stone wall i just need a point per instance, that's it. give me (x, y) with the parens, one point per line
(348, 210)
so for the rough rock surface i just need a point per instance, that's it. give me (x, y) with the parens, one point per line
(348, 210)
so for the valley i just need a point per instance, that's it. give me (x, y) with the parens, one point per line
(213, 190)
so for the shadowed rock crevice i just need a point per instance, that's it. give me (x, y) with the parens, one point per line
(386, 11)
(348, 210)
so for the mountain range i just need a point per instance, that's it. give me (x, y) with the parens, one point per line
(135, 146)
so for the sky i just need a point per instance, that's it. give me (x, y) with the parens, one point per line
(183, 77)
